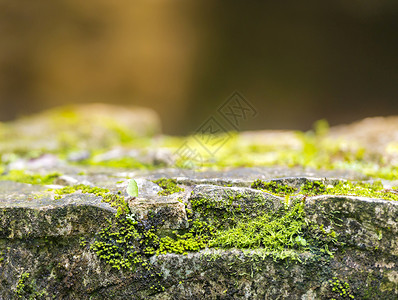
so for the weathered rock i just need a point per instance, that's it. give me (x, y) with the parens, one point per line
(229, 203)
(172, 211)
(363, 223)
(378, 135)
(56, 245)
(49, 239)
(25, 213)
(242, 177)
(85, 126)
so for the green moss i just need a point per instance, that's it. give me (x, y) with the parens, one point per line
(196, 239)
(268, 231)
(313, 188)
(24, 177)
(226, 213)
(27, 289)
(115, 200)
(127, 244)
(83, 242)
(341, 289)
(364, 189)
(273, 187)
(119, 244)
(122, 163)
(168, 185)
(123, 133)
(282, 234)
(347, 188)
(80, 187)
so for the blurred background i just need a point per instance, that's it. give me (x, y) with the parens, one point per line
(295, 62)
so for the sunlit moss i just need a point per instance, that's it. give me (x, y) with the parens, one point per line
(363, 189)
(168, 185)
(273, 187)
(315, 188)
(115, 200)
(272, 232)
(123, 162)
(31, 178)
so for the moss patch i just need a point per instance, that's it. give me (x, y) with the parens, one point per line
(121, 163)
(268, 231)
(340, 289)
(128, 243)
(363, 189)
(346, 188)
(24, 177)
(27, 288)
(168, 185)
(313, 188)
(115, 200)
(273, 187)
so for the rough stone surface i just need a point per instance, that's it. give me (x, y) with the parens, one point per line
(88, 126)
(49, 237)
(378, 135)
(42, 236)
(363, 223)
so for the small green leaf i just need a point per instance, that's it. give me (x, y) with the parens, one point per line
(132, 188)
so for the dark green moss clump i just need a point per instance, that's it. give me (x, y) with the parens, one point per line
(127, 244)
(273, 187)
(168, 185)
(197, 238)
(27, 289)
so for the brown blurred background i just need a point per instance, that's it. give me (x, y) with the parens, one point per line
(295, 62)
